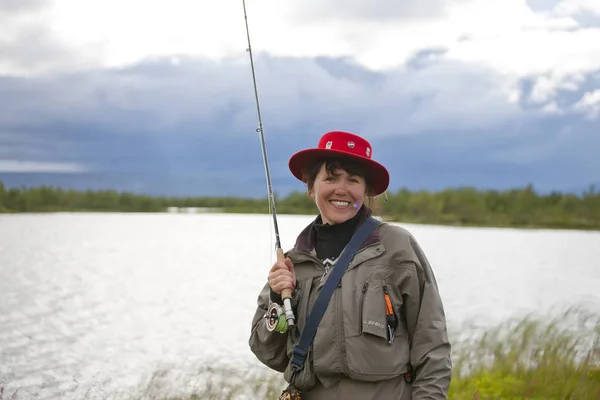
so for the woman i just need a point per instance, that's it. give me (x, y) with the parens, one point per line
(383, 334)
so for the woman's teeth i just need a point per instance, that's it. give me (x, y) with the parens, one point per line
(340, 203)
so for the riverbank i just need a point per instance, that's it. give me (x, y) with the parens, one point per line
(536, 358)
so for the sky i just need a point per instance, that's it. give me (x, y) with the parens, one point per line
(157, 97)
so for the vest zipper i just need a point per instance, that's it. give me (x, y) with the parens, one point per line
(361, 307)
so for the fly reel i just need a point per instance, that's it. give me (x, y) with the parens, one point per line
(275, 319)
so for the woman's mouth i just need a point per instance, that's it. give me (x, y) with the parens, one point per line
(340, 203)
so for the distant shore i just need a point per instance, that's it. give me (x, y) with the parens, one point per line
(464, 206)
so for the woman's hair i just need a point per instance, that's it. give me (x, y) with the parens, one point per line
(352, 167)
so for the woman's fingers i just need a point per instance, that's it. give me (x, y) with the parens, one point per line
(290, 266)
(282, 276)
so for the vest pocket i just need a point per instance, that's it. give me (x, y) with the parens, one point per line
(373, 320)
(377, 352)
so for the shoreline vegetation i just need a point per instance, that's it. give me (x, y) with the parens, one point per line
(462, 206)
(535, 357)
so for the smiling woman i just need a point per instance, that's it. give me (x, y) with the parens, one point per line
(337, 192)
(383, 332)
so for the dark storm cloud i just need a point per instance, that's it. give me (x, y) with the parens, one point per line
(190, 124)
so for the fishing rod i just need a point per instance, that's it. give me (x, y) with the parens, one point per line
(278, 319)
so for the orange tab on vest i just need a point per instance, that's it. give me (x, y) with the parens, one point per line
(389, 310)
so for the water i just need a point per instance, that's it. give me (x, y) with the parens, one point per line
(90, 303)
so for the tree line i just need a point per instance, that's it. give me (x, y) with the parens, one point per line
(467, 206)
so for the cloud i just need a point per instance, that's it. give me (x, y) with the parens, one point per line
(577, 7)
(585, 12)
(181, 124)
(542, 5)
(30, 45)
(8, 7)
(589, 104)
(509, 36)
(160, 95)
(455, 92)
(29, 166)
(546, 87)
(363, 10)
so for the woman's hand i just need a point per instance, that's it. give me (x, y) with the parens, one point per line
(282, 276)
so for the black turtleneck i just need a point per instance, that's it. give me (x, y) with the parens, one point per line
(331, 239)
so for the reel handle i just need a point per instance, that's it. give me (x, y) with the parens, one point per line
(286, 296)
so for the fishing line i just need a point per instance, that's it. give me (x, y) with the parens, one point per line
(287, 293)
(262, 136)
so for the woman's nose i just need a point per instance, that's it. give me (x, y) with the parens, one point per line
(341, 188)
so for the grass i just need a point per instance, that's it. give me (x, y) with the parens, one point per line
(532, 358)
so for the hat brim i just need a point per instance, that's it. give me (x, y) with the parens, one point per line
(379, 174)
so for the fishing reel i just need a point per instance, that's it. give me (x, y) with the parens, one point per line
(275, 319)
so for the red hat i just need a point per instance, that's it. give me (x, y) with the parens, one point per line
(337, 143)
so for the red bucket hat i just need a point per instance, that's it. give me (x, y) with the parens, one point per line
(338, 143)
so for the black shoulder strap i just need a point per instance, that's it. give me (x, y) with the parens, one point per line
(306, 337)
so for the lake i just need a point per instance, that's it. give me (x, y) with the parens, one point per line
(93, 303)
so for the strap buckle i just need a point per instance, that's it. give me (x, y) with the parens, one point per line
(298, 357)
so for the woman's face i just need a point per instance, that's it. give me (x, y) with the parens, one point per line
(338, 196)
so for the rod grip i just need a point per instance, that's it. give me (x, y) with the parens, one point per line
(285, 293)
